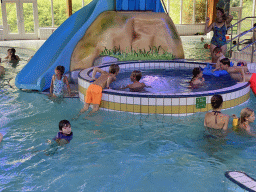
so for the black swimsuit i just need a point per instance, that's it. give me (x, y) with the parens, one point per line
(216, 114)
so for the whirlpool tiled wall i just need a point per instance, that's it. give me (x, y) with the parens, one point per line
(169, 104)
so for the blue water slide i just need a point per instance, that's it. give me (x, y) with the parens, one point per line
(58, 48)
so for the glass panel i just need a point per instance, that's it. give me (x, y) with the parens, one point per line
(28, 17)
(44, 13)
(200, 11)
(11, 17)
(174, 10)
(86, 2)
(60, 12)
(247, 12)
(76, 5)
(187, 12)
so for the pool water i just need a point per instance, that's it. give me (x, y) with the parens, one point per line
(172, 81)
(113, 151)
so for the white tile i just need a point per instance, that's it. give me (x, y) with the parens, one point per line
(104, 97)
(182, 64)
(111, 98)
(161, 65)
(175, 101)
(224, 97)
(159, 101)
(122, 66)
(167, 101)
(237, 94)
(183, 101)
(191, 101)
(233, 95)
(228, 97)
(167, 65)
(136, 100)
(196, 65)
(117, 99)
(171, 65)
(208, 99)
(144, 101)
(137, 66)
(156, 65)
(142, 65)
(129, 100)
(146, 65)
(123, 99)
(177, 65)
(151, 101)
(131, 66)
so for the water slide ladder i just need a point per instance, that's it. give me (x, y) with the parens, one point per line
(237, 37)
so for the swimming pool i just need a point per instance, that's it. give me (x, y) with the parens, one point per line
(113, 151)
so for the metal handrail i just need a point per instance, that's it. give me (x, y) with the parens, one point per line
(240, 35)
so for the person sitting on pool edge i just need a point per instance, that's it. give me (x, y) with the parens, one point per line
(65, 134)
(197, 78)
(94, 91)
(219, 55)
(240, 73)
(136, 85)
(215, 122)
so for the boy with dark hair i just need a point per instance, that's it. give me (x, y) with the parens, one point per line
(94, 91)
(65, 135)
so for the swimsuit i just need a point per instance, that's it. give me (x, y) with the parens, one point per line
(60, 135)
(93, 94)
(219, 36)
(58, 86)
(216, 114)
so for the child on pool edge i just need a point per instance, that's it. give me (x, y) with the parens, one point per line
(247, 116)
(197, 78)
(58, 81)
(219, 55)
(65, 134)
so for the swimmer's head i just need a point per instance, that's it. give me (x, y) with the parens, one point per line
(247, 114)
(136, 75)
(196, 71)
(216, 101)
(114, 69)
(224, 63)
(65, 127)
(60, 69)
(11, 51)
(217, 51)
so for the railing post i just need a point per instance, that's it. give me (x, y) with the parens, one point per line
(253, 40)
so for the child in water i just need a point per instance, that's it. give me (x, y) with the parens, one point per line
(219, 55)
(247, 116)
(58, 81)
(215, 122)
(11, 55)
(197, 78)
(65, 135)
(136, 85)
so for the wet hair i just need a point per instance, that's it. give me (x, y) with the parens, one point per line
(196, 71)
(114, 68)
(245, 113)
(61, 69)
(63, 123)
(13, 51)
(224, 17)
(216, 101)
(225, 61)
(137, 75)
(217, 50)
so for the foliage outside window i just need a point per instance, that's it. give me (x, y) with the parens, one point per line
(200, 11)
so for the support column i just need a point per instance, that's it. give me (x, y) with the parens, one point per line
(211, 11)
(69, 8)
